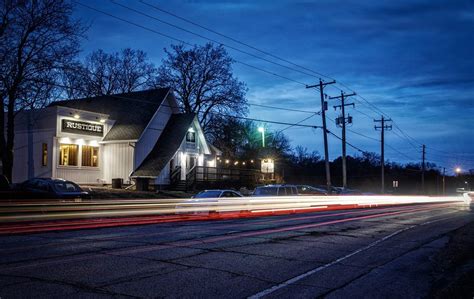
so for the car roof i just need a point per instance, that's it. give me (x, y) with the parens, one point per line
(277, 185)
(221, 190)
(49, 180)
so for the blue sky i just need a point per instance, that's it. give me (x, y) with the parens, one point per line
(412, 59)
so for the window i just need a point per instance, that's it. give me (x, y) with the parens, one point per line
(191, 136)
(44, 154)
(266, 191)
(66, 186)
(90, 156)
(68, 154)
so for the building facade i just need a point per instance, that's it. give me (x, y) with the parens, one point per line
(125, 136)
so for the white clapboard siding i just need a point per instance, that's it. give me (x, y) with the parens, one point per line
(79, 175)
(118, 159)
(27, 162)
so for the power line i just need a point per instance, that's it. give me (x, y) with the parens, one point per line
(209, 39)
(370, 105)
(214, 113)
(405, 139)
(451, 153)
(184, 42)
(357, 133)
(286, 109)
(297, 123)
(399, 152)
(361, 112)
(349, 144)
(235, 40)
(374, 107)
(248, 103)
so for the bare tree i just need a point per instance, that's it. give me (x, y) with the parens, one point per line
(110, 73)
(39, 40)
(203, 81)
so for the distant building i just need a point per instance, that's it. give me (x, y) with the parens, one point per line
(138, 135)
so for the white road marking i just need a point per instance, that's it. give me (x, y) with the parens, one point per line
(320, 268)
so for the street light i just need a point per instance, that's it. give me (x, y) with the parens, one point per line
(262, 130)
(458, 170)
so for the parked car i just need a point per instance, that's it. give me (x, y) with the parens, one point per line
(342, 191)
(347, 191)
(276, 190)
(207, 201)
(217, 194)
(310, 190)
(49, 188)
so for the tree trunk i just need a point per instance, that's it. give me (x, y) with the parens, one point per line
(8, 153)
(2, 134)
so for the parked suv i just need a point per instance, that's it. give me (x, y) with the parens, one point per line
(49, 188)
(276, 190)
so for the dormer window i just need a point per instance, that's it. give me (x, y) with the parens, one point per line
(191, 135)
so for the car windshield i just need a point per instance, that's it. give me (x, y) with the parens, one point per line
(65, 186)
(266, 191)
(208, 194)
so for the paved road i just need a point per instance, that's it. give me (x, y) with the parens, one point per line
(382, 252)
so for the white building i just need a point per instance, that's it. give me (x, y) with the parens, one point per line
(94, 140)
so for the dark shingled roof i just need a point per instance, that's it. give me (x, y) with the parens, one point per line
(131, 111)
(166, 145)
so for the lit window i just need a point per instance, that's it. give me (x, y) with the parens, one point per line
(68, 154)
(191, 136)
(90, 156)
(44, 154)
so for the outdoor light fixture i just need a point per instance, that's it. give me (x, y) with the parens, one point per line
(77, 116)
(251, 161)
(262, 130)
(65, 140)
(227, 161)
(236, 162)
(191, 130)
(243, 163)
(458, 170)
(102, 120)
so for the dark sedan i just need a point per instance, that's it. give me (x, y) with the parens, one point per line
(47, 188)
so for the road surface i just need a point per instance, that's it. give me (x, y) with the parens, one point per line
(378, 252)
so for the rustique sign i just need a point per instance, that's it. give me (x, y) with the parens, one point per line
(80, 127)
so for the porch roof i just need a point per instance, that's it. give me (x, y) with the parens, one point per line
(166, 146)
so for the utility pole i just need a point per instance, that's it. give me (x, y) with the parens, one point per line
(423, 168)
(324, 107)
(341, 121)
(383, 126)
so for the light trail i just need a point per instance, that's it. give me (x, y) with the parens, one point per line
(297, 227)
(213, 239)
(65, 225)
(128, 212)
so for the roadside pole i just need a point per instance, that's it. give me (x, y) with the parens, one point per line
(324, 107)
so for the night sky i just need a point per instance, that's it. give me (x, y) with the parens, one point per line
(414, 60)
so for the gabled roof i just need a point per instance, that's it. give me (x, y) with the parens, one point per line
(131, 111)
(166, 146)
